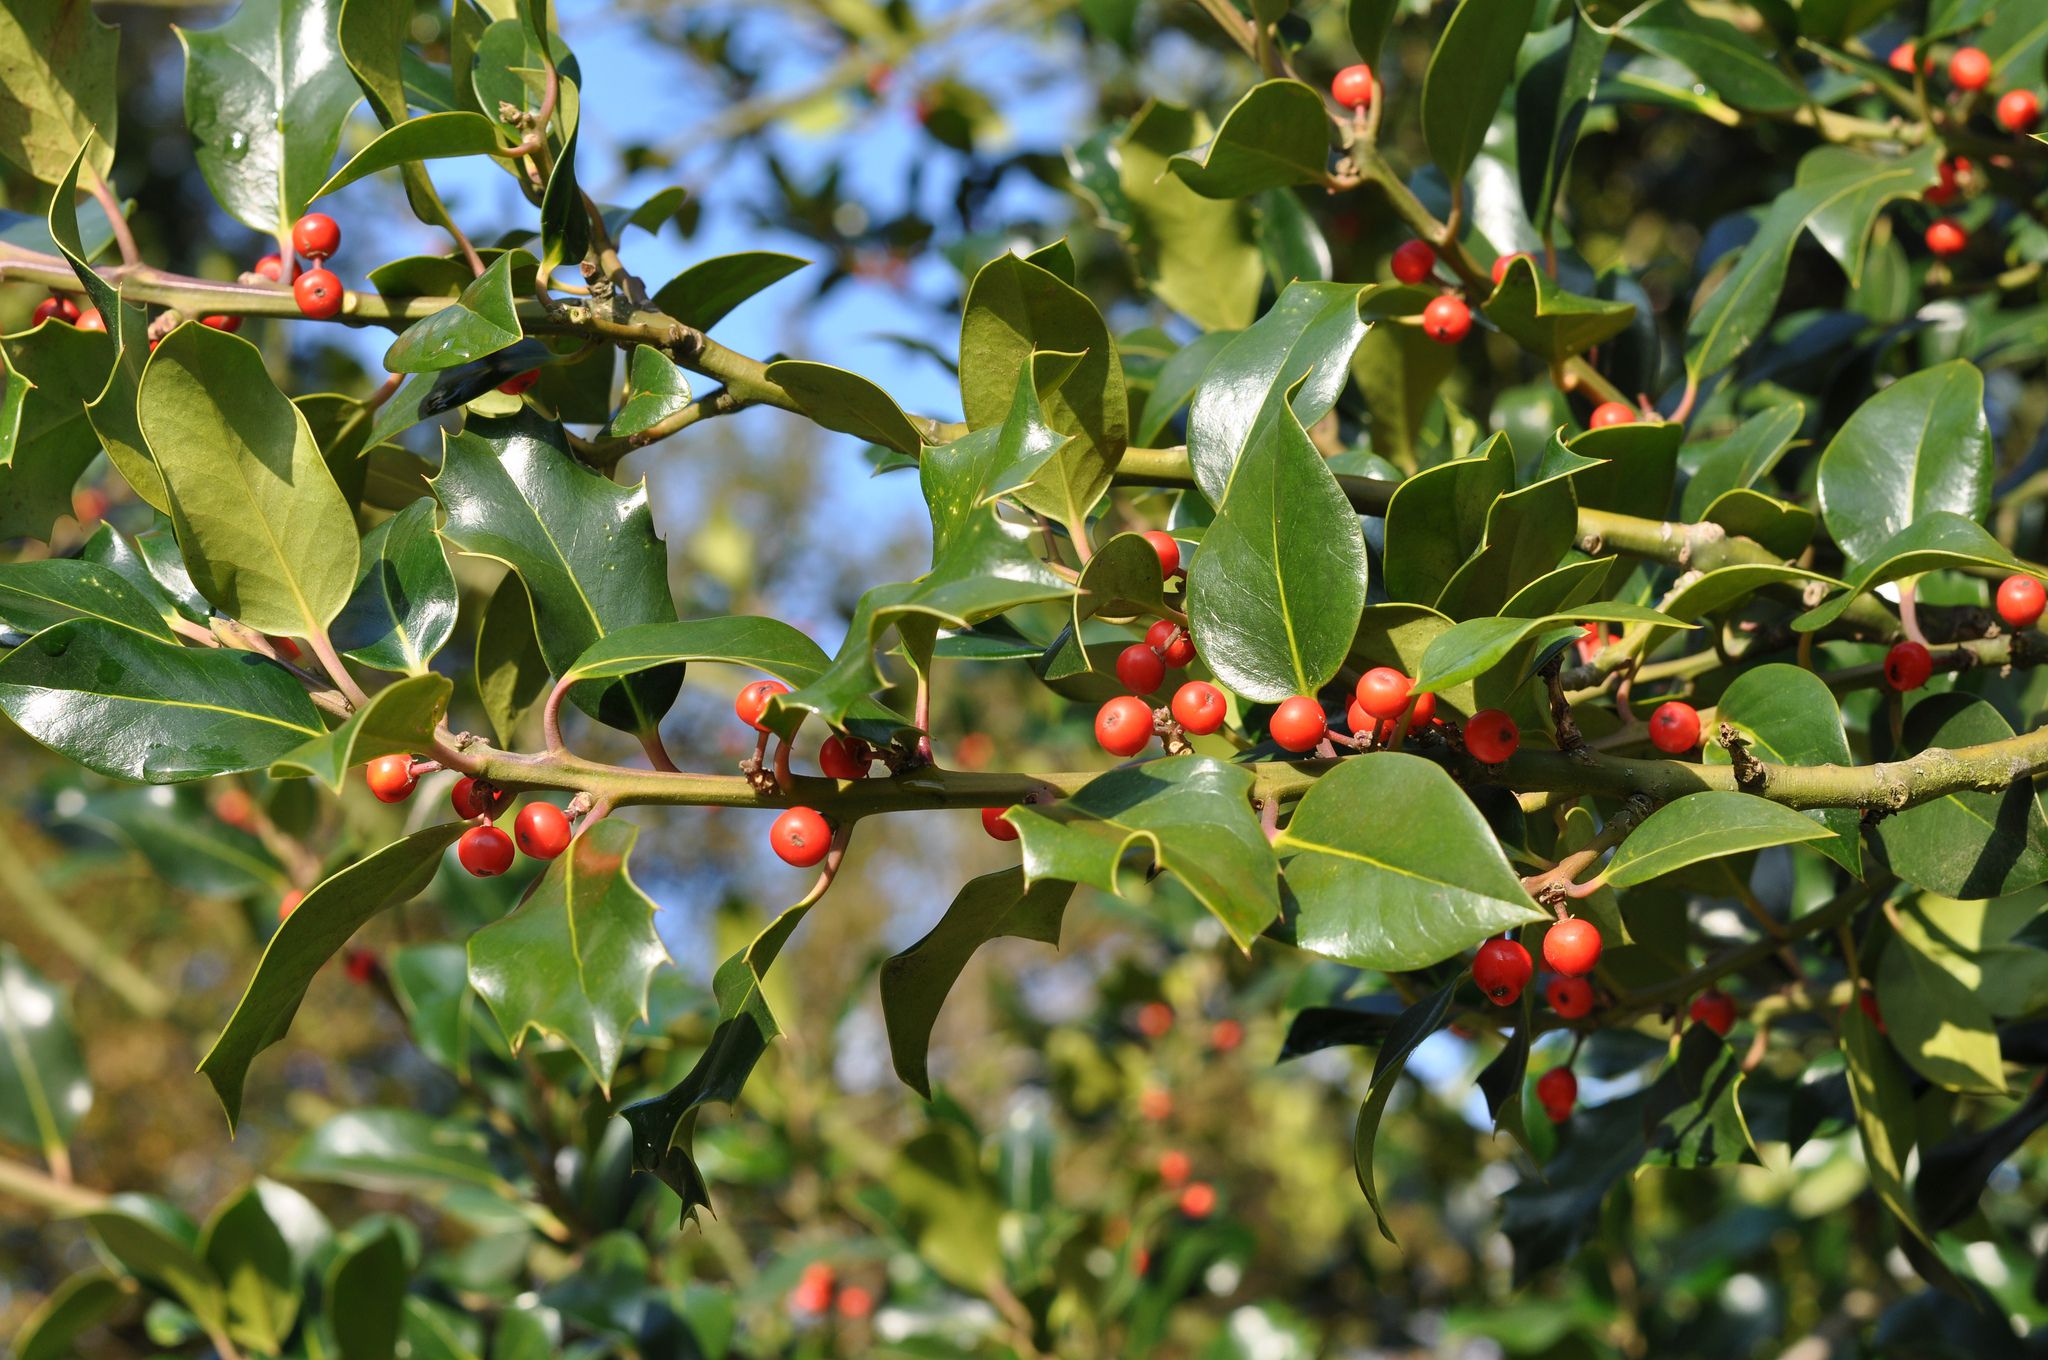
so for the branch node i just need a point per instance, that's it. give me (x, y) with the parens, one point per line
(1750, 774)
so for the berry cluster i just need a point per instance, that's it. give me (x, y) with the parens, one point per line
(540, 831)
(317, 291)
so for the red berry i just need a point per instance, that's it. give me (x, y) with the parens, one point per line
(318, 294)
(222, 322)
(1139, 669)
(1572, 946)
(91, 320)
(1675, 728)
(316, 236)
(361, 966)
(63, 308)
(1198, 1200)
(1298, 724)
(1901, 59)
(1414, 261)
(1866, 1001)
(1200, 707)
(1171, 641)
(1447, 320)
(1908, 666)
(1424, 711)
(1175, 1167)
(472, 798)
(1502, 968)
(485, 851)
(391, 778)
(1501, 264)
(1353, 87)
(993, 823)
(1225, 1035)
(1715, 1010)
(1970, 68)
(513, 386)
(1611, 413)
(1156, 1104)
(855, 1302)
(2020, 600)
(752, 701)
(1558, 1090)
(269, 267)
(2019, 111)
(1491, 736)
(1946, 237)
(1383, 692)
(289, 903)
(1357, 719)
(1124, 725)
(836, 759)
(1168, 549)
(1570, 997)
(1155, 1019)
(800, 837)
(236, 808)
(542, 830)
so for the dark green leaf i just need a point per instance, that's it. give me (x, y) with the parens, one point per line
(153, 1242)
(1742, 459)
(444, 1015)
(35, 595)
(59, 86)
(372, 35)
(1704, 826)
(1884, 1113)
(1549, 322)
(72, 1310)
(1468, 73)
(1919, 446)
(1790, 717)
(564, 222)
(655, 390)
(1417, 1023)
(1437, 519)
(1476, 646)
(46, 436)
(1928, 991)
(481, 321)
(1276, 137)
(402, 611)
(1637, 465)
(43, 1087)
(1369, 22)
(1290, 240)
(1528, 532)
(511, 674)
(1400, 371)
(433, 136)
(1940, 540)
(398, 720)
(1198, 255)
(1176, 382)
(1551, 101)
(1966, 844)
(702, 295)
(366, 1297)
(846, 402)
(1781, 526)
(1719, 53)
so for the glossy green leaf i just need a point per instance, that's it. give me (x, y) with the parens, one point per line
(1637, 466)
(1551, 101)
(1927, 992)
(1742, 459)
(846, 402)
(1400, 371)
(585, 549)
(1549, 322)
(46, 437)
(373, 35)
(153, 1242)
(57, 86)
(432, 136)
(1940, 540)
(73, 1309)
(1920, 445)
(443, 1013)
(1437, 519)
(1476, 646)
(1396, 894)
(266, 94)
(1296, 354)
(1192, 816)
(249, 1255)
(916, 981)
(564, 222)
(1728, 59)
(1790, 717)
(1121, 580)
(508, 68)
(128, 707)
(655, 390)
(44, 1090)
(402, 611)
(395, 1152)
(511, 674)
(1468, 73)
(267, 535)
(315, 931)
(574, 959)
(1884, 1113)
(1704, 826)
(1399, 635)
(1966, 844)
(399, 720)
(365, 1297)
(1198, 255)
(706, 292)
(1786, 529)
(1417, 1023)
(1276, 137)
(1275, 592)
(481, 321)
(1528, 532)
(35, 595)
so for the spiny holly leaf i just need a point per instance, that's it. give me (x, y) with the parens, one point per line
(1939, 541)
(1704, 826)
(1528, 532)
(119, 703)
(57, 75)
(915, 982)
(1191, 813)
(481, 321)
(511, 674)
(1276, 137)
(1401, 893)
(1790, 717)
(402, 610)
(1546, 320)
(267, 535)
(266, 94)
(1918, 446)
(314, 931)
(1964, 844)
(585, 549)
(399, 719)
(44, 1091)
(46, 437)
(1417, 1023)
(574, 959)
(1437, 520)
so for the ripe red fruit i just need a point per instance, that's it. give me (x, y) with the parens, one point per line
(1970, 68)
(1901, 59)
(360, 965)
(236, 808)
(1908, 666)
(1558, 1090)
(391, 778)
(1383, 692)
(752, 701)
(1139, 669)
(513, 386)
(1175, 1167)
(1168, 549)
(1198, 1200)
(1414, 261)
(63, 308)
(542, 830)
(1866, 1001)
(993, 823)
(1155, 1019)
(800, 837)
(813, 1292)
(1572, 946)
(1946, 237)
(1352, 87)
(1502, 968)
(2020, 600)
(1200, 707)
(1715, 1010)
(1424, 711)
(1447, 320)
(222, 322)
(1124, 725)
(1298, 724)
(269, 267)
(318, 294)
(1675, 728)
(316, 236)
(91, 320)
(1156, 1104)
(1171, 641)
(836, 760)
(472, 798)
(1570, 997)
(485, 851)
(2019, 111)
(1225, 1035)
(1491, 736)
(1611, 413)
(855, 1302)
(1357, 719)
(1501, 264)
(287, 904)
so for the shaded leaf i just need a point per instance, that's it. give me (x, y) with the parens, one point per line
(846, 402)
(1416, 1024)
(1790, 717)
(1198, 255)
(57, 76)
(1549, 322)
(481, 321)
(1966, 844)
(1468, 73)
(35, 595)
(402, 611)
(1276, 136)
(398, 720)
(44, 1091)
(1919, 446)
